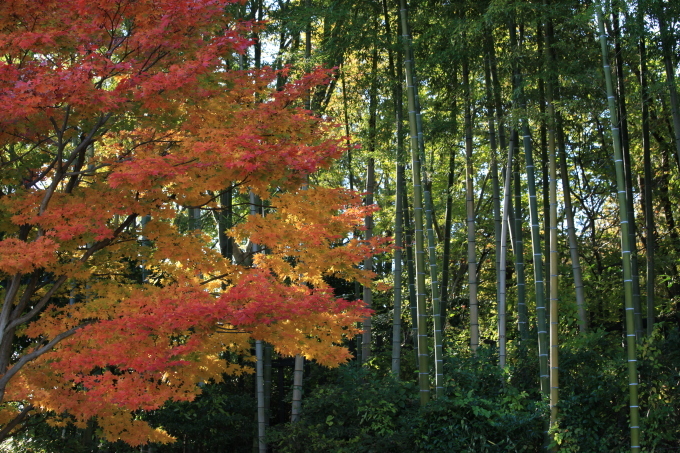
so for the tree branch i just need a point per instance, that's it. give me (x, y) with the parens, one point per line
(4, 432)
(4, 380)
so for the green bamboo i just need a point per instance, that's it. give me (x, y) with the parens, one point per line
(470, 209)
(494, 160)
(261, 407)
(517, 240)
(522, 314)
(647, 192)
(423, 354)
(399, 215)
(667, 52)
(538, 262)
(410, 269)
(268, 352)
(398, 239)
(627, 173)
(448, 220)
(543, 131)
(554, 261)
(368, 263)
(505, 224)
(634, 416)
(571, 232)
(259, 364)
(431, 246)
(370, 188)
(436, 302)
(554, 254)
(298, 369)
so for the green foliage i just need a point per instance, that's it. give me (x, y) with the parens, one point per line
(362, 412)
(359, 412)
(220, 420)
(594, 403)
(467, 422)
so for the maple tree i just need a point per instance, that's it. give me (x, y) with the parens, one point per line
(114, 111)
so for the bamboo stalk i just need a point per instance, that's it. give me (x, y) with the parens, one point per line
(470, 210)
(634, 415)
(423, 354)
(538, 263)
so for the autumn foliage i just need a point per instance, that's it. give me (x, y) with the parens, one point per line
(114, 111)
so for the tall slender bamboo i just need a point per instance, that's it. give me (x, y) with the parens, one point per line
(505, 224)
(627, 170)
(571, 231)
(431, 246)
(267, 365)
(522, 313)
(399, 215)
(370, 189)
(448, 220)
(423, 354)
(436, 302)
(298, 369)
(224, 222)
(554, 254)
(410, 270)
(470, 209)
(554, 264)
(398, 239)
(647, 192)
(259, 364)
(543, 131)
(517, 240)
(368, 262)
(494, 159)
(299, 362)
(625, 245)
(537, 261)
(259, 386)
(667, 52)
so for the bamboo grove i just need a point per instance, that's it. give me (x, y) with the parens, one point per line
(518, 128)
(525, 160)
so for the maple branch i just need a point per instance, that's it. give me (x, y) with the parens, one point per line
(4, 432)
(37, 307)
(8, 304)
(4, 380)
(60, 281)
(28, 292)
(18, 158)
(217, 277)
(89, 170)
(228, 330)
(81, 148)
(106, 242)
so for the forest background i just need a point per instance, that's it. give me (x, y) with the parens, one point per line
(483, 126)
